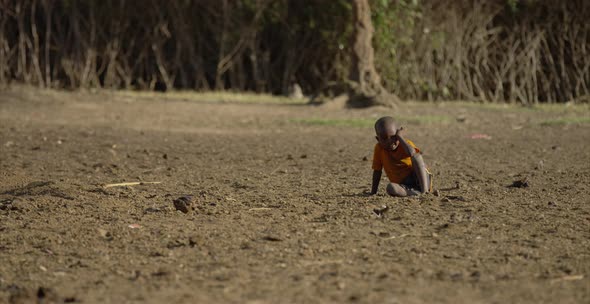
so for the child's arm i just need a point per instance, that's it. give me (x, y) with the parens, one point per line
(376, 180)
(417, 163)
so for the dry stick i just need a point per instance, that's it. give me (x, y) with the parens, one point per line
(129, 184)
(36, 48)
(166, 77)
(578, 70)
(48, 6)
(260, 209)
(547, 83)
(4, 49)
(568, 278)
(277, 168)
(21, 70)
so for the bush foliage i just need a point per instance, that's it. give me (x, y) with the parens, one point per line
(500, 50)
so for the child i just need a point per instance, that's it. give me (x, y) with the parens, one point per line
(401, 160)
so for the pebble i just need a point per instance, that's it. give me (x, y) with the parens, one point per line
(183, 203)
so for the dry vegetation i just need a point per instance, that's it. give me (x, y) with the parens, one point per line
(500, 51)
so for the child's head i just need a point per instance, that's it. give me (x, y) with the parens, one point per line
(386, 131)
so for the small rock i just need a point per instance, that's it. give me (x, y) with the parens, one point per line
(175, 244)
(383, 234)
(303, 156)
(193, 241)
(9, 144)
(134, 226)
(104, 233)
(381, 210)
(135, 274)
(160, 273)
(46, 295)
(184, 203)
(354, 298)
(521, 183)
(365, 158)
(165, 156)
(6, 204)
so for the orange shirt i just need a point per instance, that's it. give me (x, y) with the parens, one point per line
(397, 164)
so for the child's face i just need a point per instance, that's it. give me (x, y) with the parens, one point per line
(387, 137)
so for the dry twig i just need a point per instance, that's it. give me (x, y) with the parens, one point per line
(129, 184)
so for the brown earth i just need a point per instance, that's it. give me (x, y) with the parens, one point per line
(279, 212)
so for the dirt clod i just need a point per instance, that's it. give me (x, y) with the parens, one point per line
(381, 210)
(272, 238)
(184, 203)
(104, 233)
(521, 183)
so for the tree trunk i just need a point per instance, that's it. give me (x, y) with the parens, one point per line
(366, 88)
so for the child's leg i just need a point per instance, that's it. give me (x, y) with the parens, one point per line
(409, 186)
(421, 173)
(417, 164)
(400, 190)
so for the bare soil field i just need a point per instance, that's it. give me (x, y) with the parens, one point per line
(278, 210)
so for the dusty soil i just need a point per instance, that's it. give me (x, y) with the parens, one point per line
(278, 212)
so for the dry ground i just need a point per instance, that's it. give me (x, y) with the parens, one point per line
(280, 212)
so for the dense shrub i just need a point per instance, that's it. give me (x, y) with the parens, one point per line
(499, 50)
(516, 51)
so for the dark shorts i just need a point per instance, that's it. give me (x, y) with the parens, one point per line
(411, 182)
